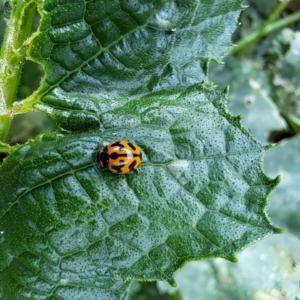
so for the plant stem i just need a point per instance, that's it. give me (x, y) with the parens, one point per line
(245, 44)
(4, 127)
(12, 57)
(283, 22)
(292, 121)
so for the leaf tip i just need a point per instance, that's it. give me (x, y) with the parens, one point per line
(244, 6)
(226, 90)
(277, 180)
(205, 66)
(278, 230)
(232, 259)
(215, 60)
(269, 146)
(172, 282)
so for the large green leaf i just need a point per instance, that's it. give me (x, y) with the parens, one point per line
(116, 70)
(124, 47)
(200, 193)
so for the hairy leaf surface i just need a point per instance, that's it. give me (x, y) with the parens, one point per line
(131, 47)
(199, 193)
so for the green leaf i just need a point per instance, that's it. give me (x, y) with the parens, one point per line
(96, 48)
(200, 192)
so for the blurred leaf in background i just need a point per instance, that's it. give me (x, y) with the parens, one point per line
(249, 95)
(266, 271)
(28, 126)
(284, 203)
(284, 73)
(253, 92)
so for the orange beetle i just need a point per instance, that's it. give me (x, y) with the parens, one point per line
(120, 157)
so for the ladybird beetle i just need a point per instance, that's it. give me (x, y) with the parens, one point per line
(120, 157)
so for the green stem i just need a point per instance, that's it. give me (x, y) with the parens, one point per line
(18, 29)
(12, 57)
(280, 7)
(268, 27)
(4, 127)
(283, 22)
(293, 121)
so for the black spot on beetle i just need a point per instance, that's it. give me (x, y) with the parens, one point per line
(121, 146)
(119, 167)
(115, 155)
(132, 166)
(131, 146)
(102, 157)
